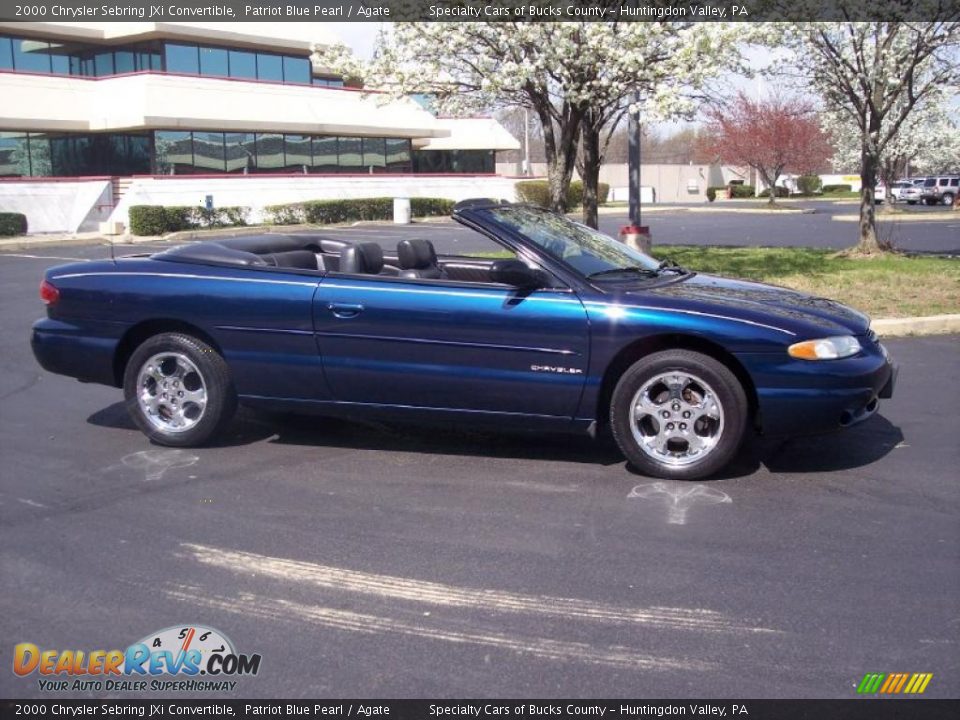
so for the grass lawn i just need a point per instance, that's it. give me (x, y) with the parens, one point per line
(887, 286)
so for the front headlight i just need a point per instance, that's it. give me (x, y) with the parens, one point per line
(831, 348)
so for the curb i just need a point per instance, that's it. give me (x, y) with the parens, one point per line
(936, 216)
(929, 325)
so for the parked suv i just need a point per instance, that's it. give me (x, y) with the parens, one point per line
(941, 189)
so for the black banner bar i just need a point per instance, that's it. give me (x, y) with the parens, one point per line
(477, 10)
(854, 709)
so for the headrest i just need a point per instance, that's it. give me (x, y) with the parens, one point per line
(416, 254)
(363, 259)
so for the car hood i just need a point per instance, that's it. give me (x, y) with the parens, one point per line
(755, 301)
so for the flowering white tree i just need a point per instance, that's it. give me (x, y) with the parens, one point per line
(928, 141)
(577, 78)
(872, 75)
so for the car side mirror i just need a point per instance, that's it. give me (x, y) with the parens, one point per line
(517, 274)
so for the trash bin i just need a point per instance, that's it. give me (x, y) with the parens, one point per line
(401, 211)
(637, 236)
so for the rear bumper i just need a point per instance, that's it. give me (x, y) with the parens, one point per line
(797, 397)
(63, 349)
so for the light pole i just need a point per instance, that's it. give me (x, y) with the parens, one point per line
(635, 234)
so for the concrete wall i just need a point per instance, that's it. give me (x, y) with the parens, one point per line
(665, 183)
(259, 191)
(58, 206)
(65, 206)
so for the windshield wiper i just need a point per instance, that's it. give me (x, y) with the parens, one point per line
(672, 266)
(613, 271)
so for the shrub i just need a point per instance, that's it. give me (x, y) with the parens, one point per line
(714, 189)
(837, 188)
(535, 192)
(326, 212)
(12, 223)
(159, 220)
(148, 220)
(742, 191)
(292, 214)
(780, 192)
(809, 184)
(431, 207)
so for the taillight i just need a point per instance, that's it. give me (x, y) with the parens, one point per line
(49, 293)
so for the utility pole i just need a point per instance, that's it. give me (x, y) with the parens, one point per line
(526, 142)
(635, 234)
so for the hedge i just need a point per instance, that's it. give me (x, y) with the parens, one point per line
(12, 223)
(743, 191)
(837, 188)
(159, 220)
(326, 212)
(714, 189)
(781, 192)
(537, 192)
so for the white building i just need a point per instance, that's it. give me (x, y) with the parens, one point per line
(100, 116)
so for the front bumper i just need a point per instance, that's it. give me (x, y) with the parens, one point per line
(796, 397)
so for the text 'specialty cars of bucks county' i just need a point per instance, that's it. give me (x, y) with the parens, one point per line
(570, 331)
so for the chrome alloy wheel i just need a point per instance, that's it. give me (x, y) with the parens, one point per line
(171, 392)
(676, 418)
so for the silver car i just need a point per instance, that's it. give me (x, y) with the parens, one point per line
(941, 189)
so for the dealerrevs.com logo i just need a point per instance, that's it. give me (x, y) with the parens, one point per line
(182, 657)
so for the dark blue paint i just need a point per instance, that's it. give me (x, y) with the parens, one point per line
(471, 352)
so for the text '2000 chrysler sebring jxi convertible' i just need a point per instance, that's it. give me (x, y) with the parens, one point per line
(567, 329)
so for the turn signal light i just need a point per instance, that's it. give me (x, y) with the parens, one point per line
(831, 348)
(49, 293)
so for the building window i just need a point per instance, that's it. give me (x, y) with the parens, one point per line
(31, 55)
(124, 62)
(474, 162)
(269, 67)
(59, 59)
(243, 64)
(213, 61)
(14, 154)
(374, 154)
(6, 54)
(270, 152)
(208, 152)
(103, 64)
(325, 155)
(182, 58)
(350, 152)
(241, 152)
(173, 151)
(296, 70)
(398, 155)
(41, 162)
(297, 151)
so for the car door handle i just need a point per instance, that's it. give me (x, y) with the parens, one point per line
(345, 310)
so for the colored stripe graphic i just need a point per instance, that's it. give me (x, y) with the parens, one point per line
(894, 683)
(870, 683)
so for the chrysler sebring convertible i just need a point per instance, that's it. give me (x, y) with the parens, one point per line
(561, 329)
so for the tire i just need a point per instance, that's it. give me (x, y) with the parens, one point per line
(947, 199)
(911, 202)
(697, 397)
(178, 390)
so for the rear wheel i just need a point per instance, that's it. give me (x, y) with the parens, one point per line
(679, 415)
(947, 199)
(178, 390)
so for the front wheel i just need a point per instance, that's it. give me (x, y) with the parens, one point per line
(178, 390)
(679, 415)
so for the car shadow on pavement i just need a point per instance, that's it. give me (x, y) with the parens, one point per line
(854, 447)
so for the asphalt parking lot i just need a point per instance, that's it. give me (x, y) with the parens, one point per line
(368, 560)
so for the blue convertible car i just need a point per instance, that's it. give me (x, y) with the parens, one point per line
(567, 330)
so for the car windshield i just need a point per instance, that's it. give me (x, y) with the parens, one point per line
(588, 251)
